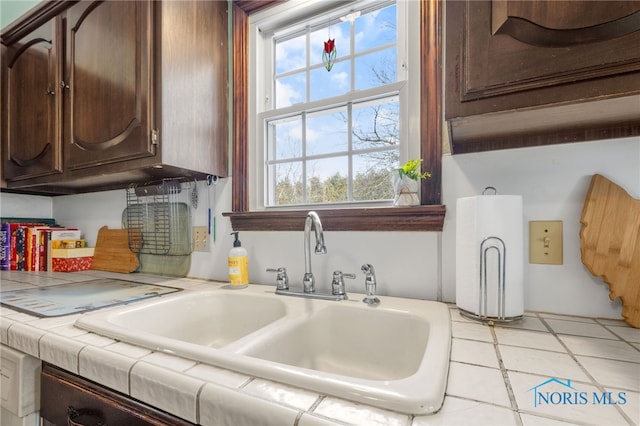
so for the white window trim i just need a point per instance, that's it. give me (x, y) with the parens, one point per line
(280, 15)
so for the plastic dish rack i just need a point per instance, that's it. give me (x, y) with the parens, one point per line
(158, 219)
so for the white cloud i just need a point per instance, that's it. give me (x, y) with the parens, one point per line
(286, 95)
(341, 79)
(290, 54)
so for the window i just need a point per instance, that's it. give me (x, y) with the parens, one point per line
(281, 116)
(331, 134)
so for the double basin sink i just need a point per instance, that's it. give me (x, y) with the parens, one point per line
(393, 356)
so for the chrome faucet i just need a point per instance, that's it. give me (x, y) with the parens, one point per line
(337, 284)
(370, 284)
(308, 281)
(309, 289)
(282, 279)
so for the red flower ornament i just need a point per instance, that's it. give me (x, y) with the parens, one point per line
(329, 54)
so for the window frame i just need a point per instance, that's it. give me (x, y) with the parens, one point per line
(429, 216)
(285, 23)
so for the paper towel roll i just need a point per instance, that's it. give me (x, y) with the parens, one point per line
(477, 219)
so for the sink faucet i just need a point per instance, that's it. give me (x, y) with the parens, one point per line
(370, 285)
(312, 219)
(308, 281)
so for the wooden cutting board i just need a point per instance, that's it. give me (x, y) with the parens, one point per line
(112, 252)
(610, 243)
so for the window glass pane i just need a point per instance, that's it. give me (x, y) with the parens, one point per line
(376, 69)
(341, 33)
(287, 135)
(372, 175)
(291, 90)
(376, 28)
(327, 132)
(291, 54)
(331, 152)
(327, 180)
(326, 84)
(286, 185)
(376, 124)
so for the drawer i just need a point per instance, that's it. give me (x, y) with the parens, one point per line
(73, 400)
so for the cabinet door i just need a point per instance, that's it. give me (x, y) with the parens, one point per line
(511, 48)
(32, 105)
(108, 71)
(529, 73)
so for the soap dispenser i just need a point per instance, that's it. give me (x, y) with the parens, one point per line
(238, 264)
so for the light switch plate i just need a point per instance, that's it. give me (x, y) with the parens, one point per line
(200, 236)
(545, 242)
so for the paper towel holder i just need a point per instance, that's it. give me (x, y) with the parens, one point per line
(497, 244)
(495, 191)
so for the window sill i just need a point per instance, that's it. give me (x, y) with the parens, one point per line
(417, 218)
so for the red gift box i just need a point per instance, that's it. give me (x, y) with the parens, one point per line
(71, 260)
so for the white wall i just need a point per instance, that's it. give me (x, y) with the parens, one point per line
(25, 206)
(10, 10)
(406, 262)
(553, 182)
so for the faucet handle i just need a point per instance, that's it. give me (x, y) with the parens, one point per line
(337, 284)
(370, 284)
(282, 279)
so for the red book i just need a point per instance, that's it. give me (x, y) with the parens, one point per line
(17, 245)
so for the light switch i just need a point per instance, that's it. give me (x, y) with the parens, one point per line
(545, 242)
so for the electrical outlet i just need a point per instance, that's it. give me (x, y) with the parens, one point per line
(545, 242)
(200, 238)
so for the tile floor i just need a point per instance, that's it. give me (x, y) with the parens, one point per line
(544, 370)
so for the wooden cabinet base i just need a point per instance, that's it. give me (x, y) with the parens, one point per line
(69, 399)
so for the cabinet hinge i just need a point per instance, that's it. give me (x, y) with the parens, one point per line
(154, 137)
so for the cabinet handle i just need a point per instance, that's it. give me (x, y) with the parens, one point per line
(84, 417)
(64, 85)
(51, 92)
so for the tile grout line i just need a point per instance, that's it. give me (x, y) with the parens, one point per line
(597, 384)
(505, 377)
(617, 335)
(198, 396)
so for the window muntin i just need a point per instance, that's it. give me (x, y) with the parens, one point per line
(319, 138)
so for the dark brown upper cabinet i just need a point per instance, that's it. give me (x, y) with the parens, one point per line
(141, 94)
(526, 73)
(31, 76)
(108, 77)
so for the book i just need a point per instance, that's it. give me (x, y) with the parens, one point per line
(31, 249)
(17, 250)
(27, 244)
(17, 244)
(34, 247)
(5, 247)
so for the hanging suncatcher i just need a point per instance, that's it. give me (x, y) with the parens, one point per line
(329, 53)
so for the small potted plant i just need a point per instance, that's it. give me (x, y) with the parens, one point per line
(405, 183)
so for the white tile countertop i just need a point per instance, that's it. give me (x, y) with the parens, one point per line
(544, 370)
